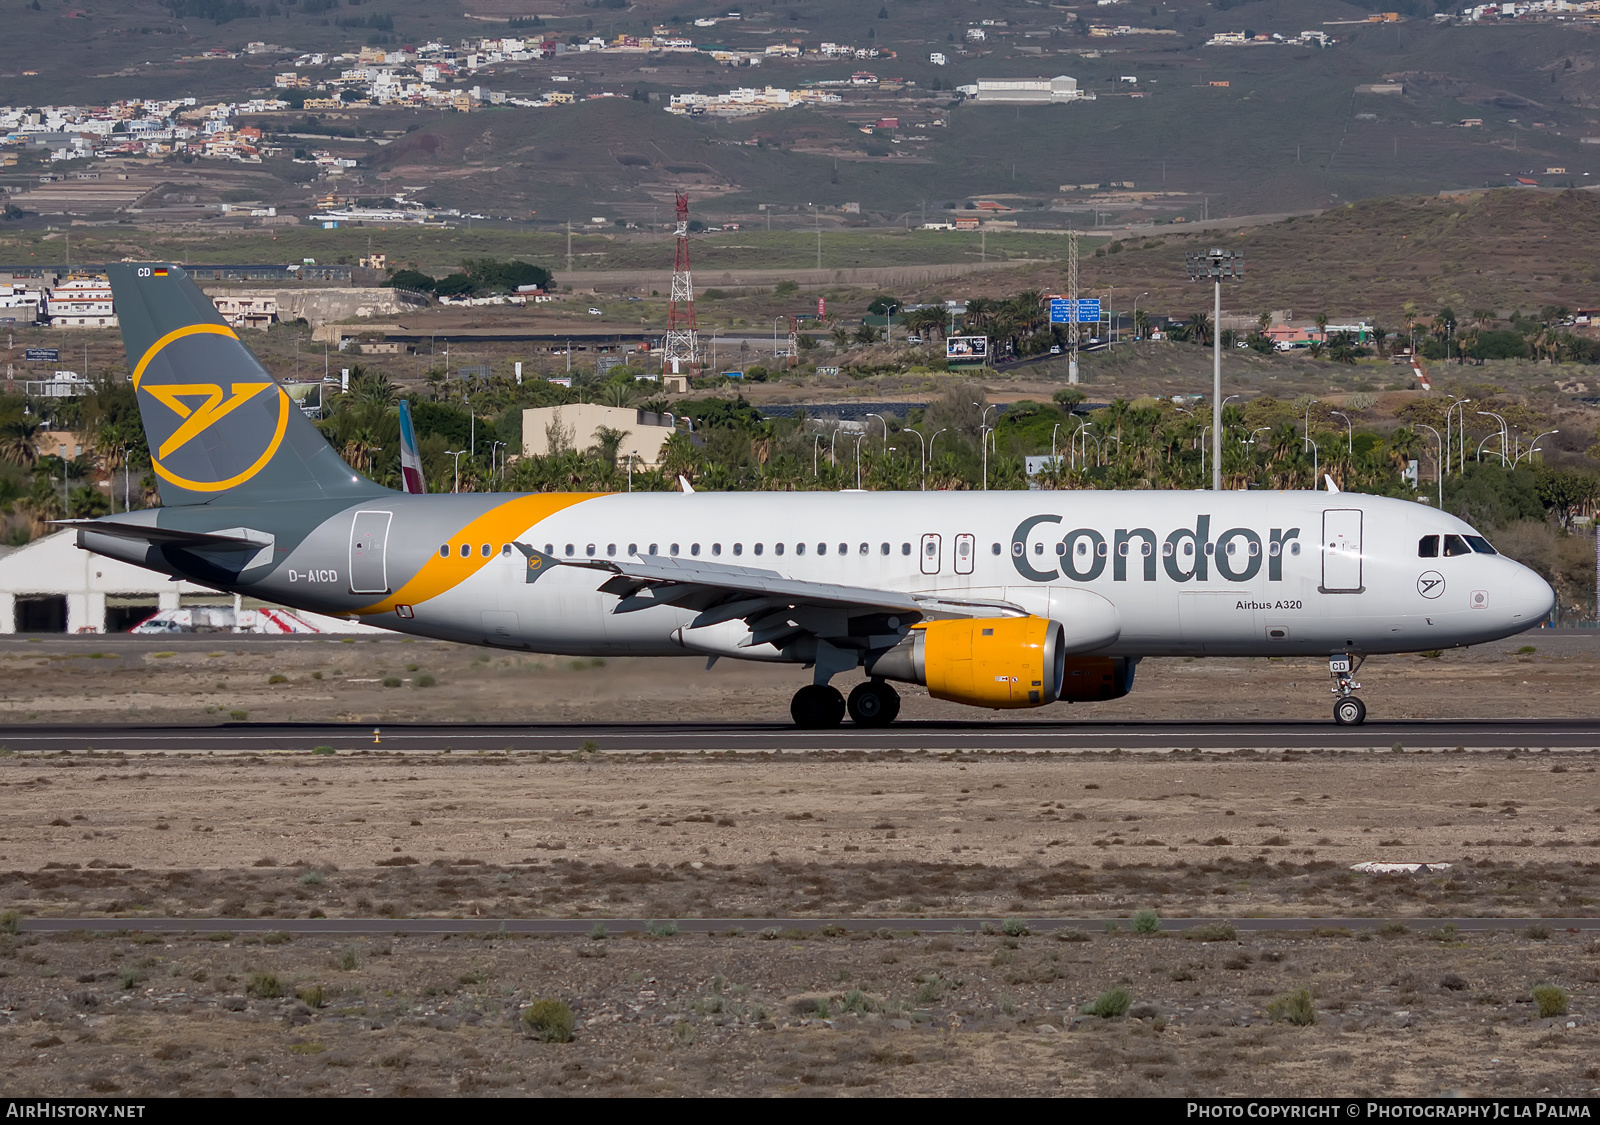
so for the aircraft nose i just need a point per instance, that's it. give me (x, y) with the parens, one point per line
(1531, 597)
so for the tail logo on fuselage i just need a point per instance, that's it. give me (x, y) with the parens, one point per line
(197, 452)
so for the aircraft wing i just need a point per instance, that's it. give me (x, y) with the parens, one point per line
(722, 591)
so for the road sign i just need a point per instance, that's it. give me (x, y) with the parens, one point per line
(1065, 311)
(47, 355)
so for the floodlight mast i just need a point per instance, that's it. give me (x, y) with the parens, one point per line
(1217, 265)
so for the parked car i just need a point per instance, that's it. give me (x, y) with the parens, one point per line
(596, 312)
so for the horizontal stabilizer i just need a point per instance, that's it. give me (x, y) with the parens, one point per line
(149, 533)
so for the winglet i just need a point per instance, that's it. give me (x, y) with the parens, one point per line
(683, 483)
(1331, 486)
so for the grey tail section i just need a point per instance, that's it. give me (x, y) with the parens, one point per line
(220, 428)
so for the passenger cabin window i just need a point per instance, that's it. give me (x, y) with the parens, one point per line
(883, 550)
(905, 548)
(799, 548)
(1480, 545)
(633, 548)
(652, 548)
(549, 548)
(1428, 547)
(444, 552)
(486, 550)
(758, 549)
(738, 548)
(673, 550)
(777, 548)
(1455, 545)
(570, 550)
(589, 550)
(844, 548)
(694, 548)
(716, 549)
(611, 550)
(864, 548)
(822, 548)
(466, 550)
(505, 548)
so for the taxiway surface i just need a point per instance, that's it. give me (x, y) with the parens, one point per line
(681, 738)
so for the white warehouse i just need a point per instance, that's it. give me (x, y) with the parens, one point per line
(1025, 91)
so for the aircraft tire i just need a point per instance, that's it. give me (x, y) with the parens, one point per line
(817, 707)
(874, 704)
(1349, 712)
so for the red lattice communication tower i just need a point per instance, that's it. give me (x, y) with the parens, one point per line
(681, 354)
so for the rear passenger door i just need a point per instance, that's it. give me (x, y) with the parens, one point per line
(966, 547)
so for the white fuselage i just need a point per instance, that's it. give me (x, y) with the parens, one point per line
(1203, 573)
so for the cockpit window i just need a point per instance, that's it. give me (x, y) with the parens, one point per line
(1480, 545)
(1455, 545)
(1428, 547)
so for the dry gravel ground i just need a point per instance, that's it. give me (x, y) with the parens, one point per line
(204, 679)
(1408, 1013)
(663, 836)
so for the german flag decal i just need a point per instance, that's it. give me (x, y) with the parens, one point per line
(159, 271)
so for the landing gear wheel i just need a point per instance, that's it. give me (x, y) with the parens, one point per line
(817, 707)
(1350, 712)
(874, 704)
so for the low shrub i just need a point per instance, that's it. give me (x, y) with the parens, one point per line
(323, 751)
(1212, 931)
(1294, 1007)
(657, 928)
(311, 995)
(1551, 1000)
(1110, 1005)
(264, 986)
(1014, 927)
(549, 1021)
(1146, 922)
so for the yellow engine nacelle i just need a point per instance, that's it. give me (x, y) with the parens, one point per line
(995, 662)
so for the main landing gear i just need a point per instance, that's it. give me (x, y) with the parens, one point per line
(1348, 711)
(819, 706)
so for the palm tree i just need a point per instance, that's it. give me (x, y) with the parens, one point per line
(17, 442)
(1141, 323)
(1322, 325)
(1197, 329)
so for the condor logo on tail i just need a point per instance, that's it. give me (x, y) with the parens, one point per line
(202, 441)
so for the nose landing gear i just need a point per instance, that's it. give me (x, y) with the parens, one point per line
(1348, 711)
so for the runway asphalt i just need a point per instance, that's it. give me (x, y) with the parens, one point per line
(583, 926)
(689, 738)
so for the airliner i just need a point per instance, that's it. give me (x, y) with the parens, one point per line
(996, 600)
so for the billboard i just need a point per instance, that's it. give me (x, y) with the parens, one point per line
(45, 355)
(1063, 310)
(968, 349)
(308, 396)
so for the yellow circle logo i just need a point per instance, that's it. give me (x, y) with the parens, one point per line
(189, 450)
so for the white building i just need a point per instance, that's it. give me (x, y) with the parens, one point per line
(1033, 91)
(252, 311)
(82, 302)
(53, 586)
(574, 426)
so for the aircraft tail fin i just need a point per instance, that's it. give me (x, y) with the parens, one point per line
(410, 455)
(217, 422)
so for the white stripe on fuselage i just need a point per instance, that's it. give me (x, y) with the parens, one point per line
(1243, 603)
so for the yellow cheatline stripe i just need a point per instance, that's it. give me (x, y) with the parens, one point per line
(177, 334)
(500, 524)
(284, 406)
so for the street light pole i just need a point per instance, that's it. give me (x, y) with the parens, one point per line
(1217, 265)
(1462, 439)
(885, 425)
(456, 453)
(815, 440)
(983, 439)
(1439, 464)
(924, 445)
(859, 438)
(1350, 432)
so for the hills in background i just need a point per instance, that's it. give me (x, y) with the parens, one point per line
(1289, 131)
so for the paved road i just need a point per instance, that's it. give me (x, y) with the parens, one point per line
(642, 738)
(422, 926)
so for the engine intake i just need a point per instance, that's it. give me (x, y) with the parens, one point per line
(998, 662)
